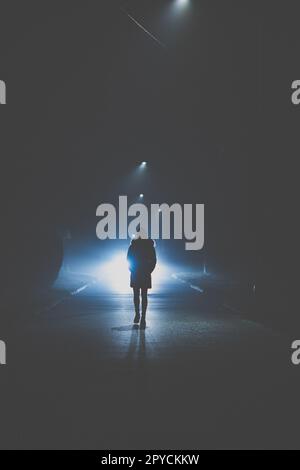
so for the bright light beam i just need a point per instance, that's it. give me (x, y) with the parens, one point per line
(115, 274)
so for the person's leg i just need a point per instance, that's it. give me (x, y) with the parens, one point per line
(144, 301)
(144, 306)
(136, 300)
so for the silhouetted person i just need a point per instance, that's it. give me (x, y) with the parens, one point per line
(141, 257)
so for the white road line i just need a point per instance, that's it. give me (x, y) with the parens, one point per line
(192, 286)
(58, 302)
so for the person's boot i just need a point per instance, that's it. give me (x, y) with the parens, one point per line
(143, 322)
(136, 318)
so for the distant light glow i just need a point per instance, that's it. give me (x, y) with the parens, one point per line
(143, 164)
(116, 275)
(180, 5)
(141, 196)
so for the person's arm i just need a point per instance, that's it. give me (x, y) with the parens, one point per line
(130, 258)
(153, 258)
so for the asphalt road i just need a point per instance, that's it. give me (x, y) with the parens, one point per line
(79, 375)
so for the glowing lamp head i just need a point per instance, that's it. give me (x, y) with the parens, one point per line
(182, 3)
(141, 196)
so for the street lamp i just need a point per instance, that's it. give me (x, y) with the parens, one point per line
(179, 5)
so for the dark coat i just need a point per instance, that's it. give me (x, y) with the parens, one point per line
(141, 257)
